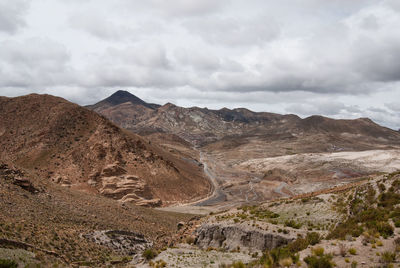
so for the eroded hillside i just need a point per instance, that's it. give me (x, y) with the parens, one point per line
(253, 157)
(349, 226)
(69, 145)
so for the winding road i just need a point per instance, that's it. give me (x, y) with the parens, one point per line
(251, 190)
(218, 195)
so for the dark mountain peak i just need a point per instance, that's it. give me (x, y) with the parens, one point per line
(122, 96)
(119, 97)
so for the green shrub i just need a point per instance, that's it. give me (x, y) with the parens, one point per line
(318, 251)
(8, 264)
(371, 214)
(313, 238)
(286, 262)
(382, 187)
(385, 229)
(388, 257)
(301, 243)
(278, 256)
(237, 264)
(298, 245)
(293, 224)
(352, 251)
(149, 254)
(389, 199)
(348, 227)
(324, 261)
(396, 184)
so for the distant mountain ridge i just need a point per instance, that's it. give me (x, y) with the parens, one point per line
(204, 126)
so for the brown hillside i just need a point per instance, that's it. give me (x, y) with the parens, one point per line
(75, 147)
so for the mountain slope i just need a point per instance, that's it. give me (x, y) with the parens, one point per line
(57, 222)
(203, 126)
(75, 147)
(238, 145)
(121, 97)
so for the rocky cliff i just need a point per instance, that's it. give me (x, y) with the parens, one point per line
(234, 236)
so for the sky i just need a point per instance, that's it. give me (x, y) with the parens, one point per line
(337, 58)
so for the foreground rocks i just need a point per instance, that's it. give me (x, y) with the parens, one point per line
(16, 177)
(234, 236)
(126, 243)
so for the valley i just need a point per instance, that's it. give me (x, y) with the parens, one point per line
(134, 183)
(255, 157)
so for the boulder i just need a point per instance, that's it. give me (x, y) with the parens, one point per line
(112, 170)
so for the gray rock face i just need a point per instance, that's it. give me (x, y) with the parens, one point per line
(128, 243)
(233, 236)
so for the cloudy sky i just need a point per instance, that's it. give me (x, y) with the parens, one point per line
(337, 58)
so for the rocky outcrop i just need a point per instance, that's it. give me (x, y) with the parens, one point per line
(16, 177)
(116, 184)
(117, 187)
(62, 180)
(232, 236)
(113, 170)
(126, 243)
(25, 184)
(156, 202)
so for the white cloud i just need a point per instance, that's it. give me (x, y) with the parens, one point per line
(12, 15)
(282, 56)
(33, 62)
(177, 8)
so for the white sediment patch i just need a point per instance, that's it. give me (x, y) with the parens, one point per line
(373, 160)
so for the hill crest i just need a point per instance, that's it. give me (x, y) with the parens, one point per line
(77, 148)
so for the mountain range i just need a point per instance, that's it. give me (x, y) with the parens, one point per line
(230, 128)
(76, 183)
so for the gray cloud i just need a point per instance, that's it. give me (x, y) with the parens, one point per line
(138, 65)
(178, 8)
(393, 106)
(235, 31)
(259, 54)
(12, 15)
(33, 62)
(96, 25)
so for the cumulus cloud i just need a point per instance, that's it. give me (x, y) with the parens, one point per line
(234, 31)
(133, 66)
(393, 106)
(98, 25)
(287, 56)
(178, 8)
(12, 15)
(33, 62)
